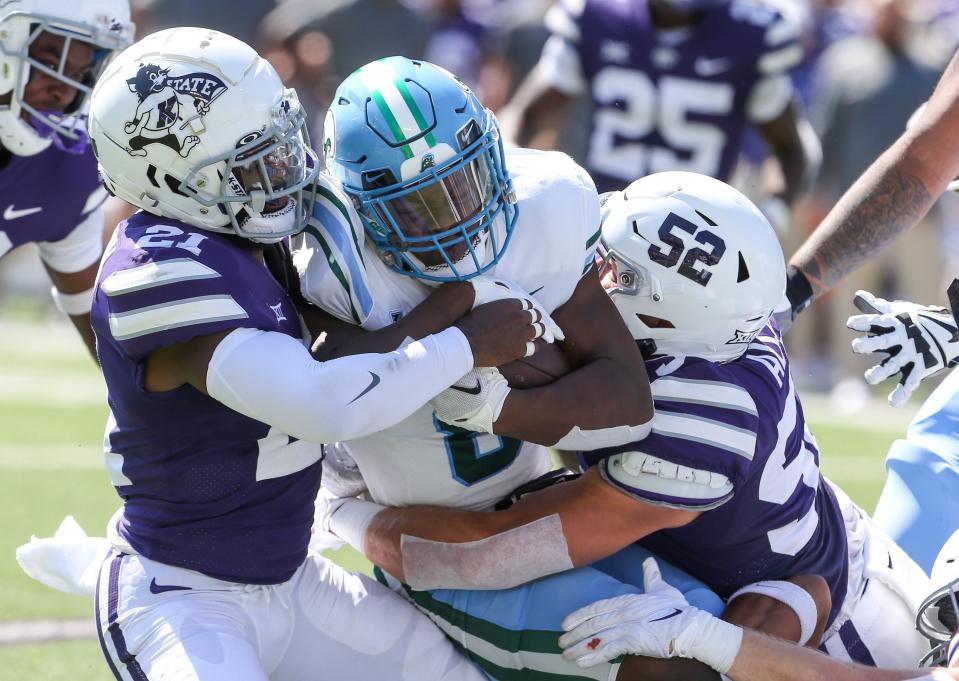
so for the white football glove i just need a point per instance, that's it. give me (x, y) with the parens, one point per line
(474, 402)
(489, 289)
(341, 475)
(658, 623)
(325, 506)
(920, 341)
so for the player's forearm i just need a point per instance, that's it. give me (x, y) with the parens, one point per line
(799, 161)
(886, 201)
(602, 396)
(762, 658)
(82, 324)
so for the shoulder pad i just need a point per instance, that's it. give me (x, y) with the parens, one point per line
(656, 481)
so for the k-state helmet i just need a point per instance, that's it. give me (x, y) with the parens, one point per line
(104, 25)
(423, 161)
(938, 618)
(194, 125)
(691, 264)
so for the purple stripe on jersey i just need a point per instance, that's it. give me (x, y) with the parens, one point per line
(96, 615)
(119, 643)
(854, 644)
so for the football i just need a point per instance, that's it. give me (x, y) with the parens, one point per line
(546, 365)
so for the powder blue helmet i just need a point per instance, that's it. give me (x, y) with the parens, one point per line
(423, 161)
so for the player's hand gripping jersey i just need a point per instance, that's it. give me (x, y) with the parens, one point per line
(670, 100)
(422, 460)
(204, 487)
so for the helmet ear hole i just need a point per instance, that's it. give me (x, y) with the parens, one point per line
(743, 270)
(655, 322)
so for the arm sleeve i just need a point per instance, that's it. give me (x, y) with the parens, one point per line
(79, 249)
(272, 378)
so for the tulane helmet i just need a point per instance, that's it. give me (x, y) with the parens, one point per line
(691, 264)
(423, 162)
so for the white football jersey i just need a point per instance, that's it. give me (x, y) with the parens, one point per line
(422, 460)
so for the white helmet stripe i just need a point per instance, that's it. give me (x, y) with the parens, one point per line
(382, 78)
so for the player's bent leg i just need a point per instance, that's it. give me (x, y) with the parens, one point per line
(346, 627)
(627, 566)
(157, 623)
(920, 501)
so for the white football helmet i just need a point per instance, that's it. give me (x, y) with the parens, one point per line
(194, 125)
(938, 614)
(691, 264)
(26, 130)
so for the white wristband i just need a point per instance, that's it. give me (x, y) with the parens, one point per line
(797, 598)
(72, 304)
(350, 520)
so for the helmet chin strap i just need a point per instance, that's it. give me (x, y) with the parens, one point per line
(18, 137)
(264, 227)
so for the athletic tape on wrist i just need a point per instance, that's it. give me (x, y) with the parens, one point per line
(793, 595)
(72, 304)
(350, 520)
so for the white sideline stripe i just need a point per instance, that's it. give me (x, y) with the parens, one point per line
(155, 274)
(713, 393)
(24, 632)
(201, 310)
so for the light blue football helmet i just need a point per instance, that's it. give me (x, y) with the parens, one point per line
(423, 161)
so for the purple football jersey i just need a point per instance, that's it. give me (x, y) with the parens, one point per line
(742, 420)
(204, 487)
(44, 197)
(671, 100)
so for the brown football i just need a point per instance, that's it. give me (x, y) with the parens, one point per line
(546, 365)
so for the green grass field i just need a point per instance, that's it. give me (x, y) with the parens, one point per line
(52, 412)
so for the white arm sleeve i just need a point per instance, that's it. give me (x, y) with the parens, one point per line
(79, 249)
(271, 377)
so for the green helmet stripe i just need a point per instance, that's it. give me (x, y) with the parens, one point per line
(391, 121)
(415, 110)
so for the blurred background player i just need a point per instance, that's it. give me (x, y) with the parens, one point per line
(674, 85)
(51, 53)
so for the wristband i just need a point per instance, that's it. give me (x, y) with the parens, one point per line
(72, 304)
(792, 595)
(350, 520)
(798, 289)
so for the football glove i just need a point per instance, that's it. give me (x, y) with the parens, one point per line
(474, 402)
(658, 623)
(341, 475)
(920, 341)
(489, 289)
(326, 504)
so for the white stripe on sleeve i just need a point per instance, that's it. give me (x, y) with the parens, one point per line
(173, 315)
(155, 274)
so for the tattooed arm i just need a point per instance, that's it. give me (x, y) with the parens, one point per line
(890, 197)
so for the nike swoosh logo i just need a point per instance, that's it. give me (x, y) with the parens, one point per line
(375, 382)
(163, 588)
(676, 611)
(533, 293)
(469, 391)
(12, 213)
(712, 67)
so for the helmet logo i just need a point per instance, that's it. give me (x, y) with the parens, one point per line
(743, 337)
(429, 161)
(161, 111)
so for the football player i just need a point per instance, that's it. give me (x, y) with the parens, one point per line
(918, 506)
(727, 486)
(218, 409)
(440, 199)
(674, 85)
(51, 52)
(635, 624)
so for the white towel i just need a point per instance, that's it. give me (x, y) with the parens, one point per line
(69, 561)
